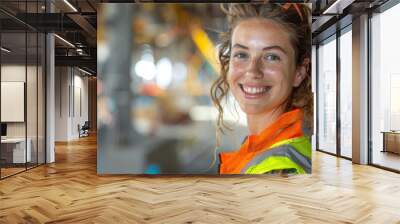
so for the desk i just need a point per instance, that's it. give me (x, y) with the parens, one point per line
(391, 141)
(16, 147)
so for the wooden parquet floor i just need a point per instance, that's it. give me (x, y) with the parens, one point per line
(70, 191)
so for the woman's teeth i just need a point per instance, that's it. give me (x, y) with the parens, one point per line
(254, 90)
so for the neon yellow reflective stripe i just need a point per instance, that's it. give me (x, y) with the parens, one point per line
(301, 144)
(274, 163)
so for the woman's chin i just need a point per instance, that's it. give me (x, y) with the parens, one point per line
(257, 109)
(252, 110)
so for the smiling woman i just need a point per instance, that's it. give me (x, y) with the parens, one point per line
(265, 61)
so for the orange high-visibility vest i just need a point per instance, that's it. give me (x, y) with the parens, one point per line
(286, 128)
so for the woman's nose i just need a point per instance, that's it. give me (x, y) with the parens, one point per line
(254, 68)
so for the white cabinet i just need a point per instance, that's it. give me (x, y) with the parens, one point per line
(18, 152)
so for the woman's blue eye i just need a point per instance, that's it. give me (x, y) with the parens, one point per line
(272, 57)
(240, 55)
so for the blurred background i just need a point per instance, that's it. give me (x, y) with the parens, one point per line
(156, 65)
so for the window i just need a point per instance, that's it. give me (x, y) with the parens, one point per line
(385, 89)
(346, 93)
(327, 95)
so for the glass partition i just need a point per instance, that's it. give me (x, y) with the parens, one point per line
(346, 93)
(41, 85)
(327, 95)
(14, 154)
(22, 91)
(31, 99)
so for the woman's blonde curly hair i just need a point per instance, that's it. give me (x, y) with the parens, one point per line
(295, 19)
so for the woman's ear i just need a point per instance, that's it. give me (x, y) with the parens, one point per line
(301, 72)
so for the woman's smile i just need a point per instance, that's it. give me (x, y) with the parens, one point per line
(251, 91)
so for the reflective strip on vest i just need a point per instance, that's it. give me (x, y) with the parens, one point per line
(301, 144)
(275, 163)
(296, 150)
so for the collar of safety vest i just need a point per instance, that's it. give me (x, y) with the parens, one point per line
(287, 126)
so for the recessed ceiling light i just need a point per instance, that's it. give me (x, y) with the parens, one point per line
(5, 49)
(64, 40)
(84, 71)
(338, 6)
(70, 5)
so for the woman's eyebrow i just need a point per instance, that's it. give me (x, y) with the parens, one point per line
(240, 46)
(276, 47)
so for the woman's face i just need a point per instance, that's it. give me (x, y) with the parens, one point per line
(262, 68)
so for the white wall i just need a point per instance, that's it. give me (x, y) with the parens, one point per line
(33, 126)
(12, 100)
(12, 73)
(80, 100)
(61, 103)
(71, 93)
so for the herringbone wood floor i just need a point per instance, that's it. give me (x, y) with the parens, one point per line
(69, 191)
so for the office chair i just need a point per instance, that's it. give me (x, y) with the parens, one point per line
(84, 130)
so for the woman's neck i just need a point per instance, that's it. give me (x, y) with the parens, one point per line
(256, 123)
